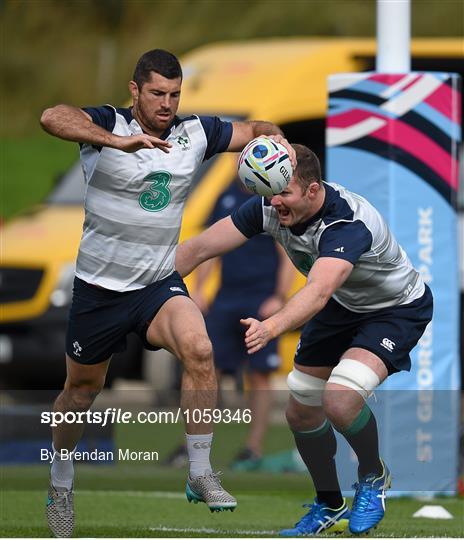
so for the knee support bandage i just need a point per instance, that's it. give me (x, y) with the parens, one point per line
(306, 389)
(356, 375)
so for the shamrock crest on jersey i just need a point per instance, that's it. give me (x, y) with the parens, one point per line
(183, 142)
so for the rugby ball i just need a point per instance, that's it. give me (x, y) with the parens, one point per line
(264, 167)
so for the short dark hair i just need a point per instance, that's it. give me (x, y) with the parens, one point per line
(159, 61)
(308, 168)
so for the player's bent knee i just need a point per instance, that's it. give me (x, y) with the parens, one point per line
(303, 418)
(294, 418)
(81, 393)
(356, 376)
(80, 398)
(306, 389)
(196, 349)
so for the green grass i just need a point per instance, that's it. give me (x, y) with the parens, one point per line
(264, 508)
(158, 514)
(29, 168)
(147, 500)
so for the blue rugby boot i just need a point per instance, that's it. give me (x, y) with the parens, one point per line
(318, 519)
(369, 501)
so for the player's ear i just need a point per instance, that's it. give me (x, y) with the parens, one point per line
(314, 188)
(134, 90)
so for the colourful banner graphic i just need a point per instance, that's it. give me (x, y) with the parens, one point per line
(394, 139)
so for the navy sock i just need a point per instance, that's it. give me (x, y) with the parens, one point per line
(317, 449)
(363, 438)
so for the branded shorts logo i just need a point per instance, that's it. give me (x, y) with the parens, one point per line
(201, 445)
(388, 344)
(77, 348)
(176, 289)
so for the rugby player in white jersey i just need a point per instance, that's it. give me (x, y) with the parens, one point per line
(363, 307)
(138, 165)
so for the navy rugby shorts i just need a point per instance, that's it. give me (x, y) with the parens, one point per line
(228, 335)
(100, 319)
(390, 333)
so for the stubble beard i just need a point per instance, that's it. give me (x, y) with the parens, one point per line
(147, 123)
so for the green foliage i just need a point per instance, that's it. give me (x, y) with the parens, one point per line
(83, 51)
(29, 167)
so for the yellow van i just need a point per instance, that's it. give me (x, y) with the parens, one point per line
(280, 80)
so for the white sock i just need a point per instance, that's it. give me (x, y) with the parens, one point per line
(62, 471)
(198, 449)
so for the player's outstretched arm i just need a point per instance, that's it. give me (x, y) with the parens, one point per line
(218, 239)
(326, 276)
(73, 124)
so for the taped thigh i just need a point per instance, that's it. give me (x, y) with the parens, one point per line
(306, 389)
(355, 375)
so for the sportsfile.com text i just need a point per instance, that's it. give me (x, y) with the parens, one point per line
(113, 415)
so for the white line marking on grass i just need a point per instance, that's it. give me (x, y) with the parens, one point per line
(206, 530)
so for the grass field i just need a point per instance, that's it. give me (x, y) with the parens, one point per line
(145, 500)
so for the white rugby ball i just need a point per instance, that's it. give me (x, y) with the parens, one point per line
(264, 167)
